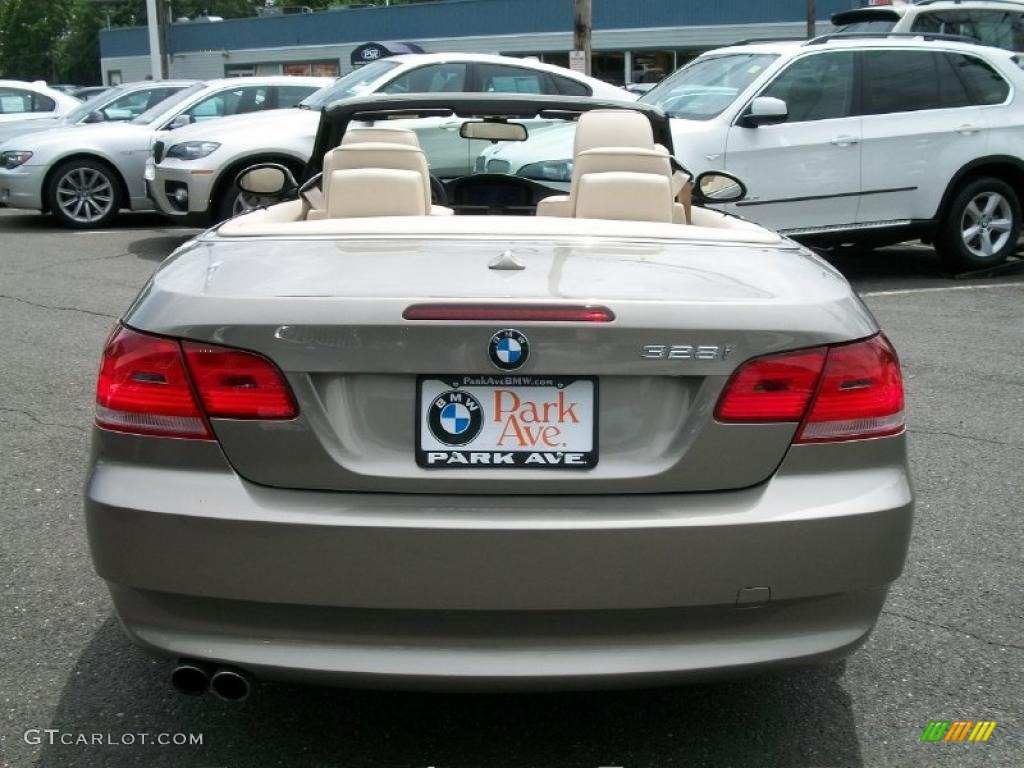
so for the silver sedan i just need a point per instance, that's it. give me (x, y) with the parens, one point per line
(85, 174)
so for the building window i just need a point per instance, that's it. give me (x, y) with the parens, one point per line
(327, 68)
(609, 66)
(652, 66)
(113, 77)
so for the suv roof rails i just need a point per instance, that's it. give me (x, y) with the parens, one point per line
(898, 35)
(756, 40)
(957, 2)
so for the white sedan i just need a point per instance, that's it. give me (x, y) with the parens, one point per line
(31, 101)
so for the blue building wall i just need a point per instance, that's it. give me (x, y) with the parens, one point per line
(457, 18)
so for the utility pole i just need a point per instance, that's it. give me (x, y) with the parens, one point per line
(581, 29)
(156, 60)
(811, 13)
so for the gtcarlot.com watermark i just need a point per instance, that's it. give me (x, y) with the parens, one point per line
(55, 736)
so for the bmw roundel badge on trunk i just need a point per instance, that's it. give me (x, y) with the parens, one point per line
(455, 417)
(508, 349)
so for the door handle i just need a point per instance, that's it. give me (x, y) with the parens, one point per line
(451, 125)
(967, 129)
(845, 141)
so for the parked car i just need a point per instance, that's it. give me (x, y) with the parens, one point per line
(85, 174)
(30, 101)
(611, 443)
(90, 90)
(193, 178)
(860, 140)
(998, 23)
(125, 102)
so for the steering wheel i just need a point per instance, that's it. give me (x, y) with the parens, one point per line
(438, 192)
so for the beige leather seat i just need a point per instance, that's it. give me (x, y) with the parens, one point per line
(619, 141)
(364, 177)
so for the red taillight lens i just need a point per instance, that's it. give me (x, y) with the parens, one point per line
(238, 385)
(551, 313)
(861, 394)
(148, 386)
(845, 392)
(774, 388)
(143, 388)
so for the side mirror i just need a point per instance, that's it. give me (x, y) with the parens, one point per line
(266, 180)
(95, 116)
(179, 122)
(765, 110)
(718, 187)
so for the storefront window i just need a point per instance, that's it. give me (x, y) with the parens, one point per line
(652, 66)
(312, 68)
(609, 66)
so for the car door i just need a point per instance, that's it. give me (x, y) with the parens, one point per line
(447, 152)
(920, 126)
(804, 173)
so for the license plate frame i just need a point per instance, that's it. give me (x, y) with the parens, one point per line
(483, 389)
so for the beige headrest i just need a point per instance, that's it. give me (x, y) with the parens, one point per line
(612, 128)
(625, 196)
(363, 192)
(381, 136)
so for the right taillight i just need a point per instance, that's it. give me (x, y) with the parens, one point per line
(860, 394)
(150, 385)
(843, 392)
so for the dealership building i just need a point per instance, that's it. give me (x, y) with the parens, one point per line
(633, 40)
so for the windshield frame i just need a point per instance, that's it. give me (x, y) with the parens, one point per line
(169, 105)
(346, 86)
(767, 60)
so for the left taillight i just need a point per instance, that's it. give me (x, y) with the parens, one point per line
(152, 385)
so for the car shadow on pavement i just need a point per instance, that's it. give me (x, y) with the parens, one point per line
(158, 247)
(798, 718)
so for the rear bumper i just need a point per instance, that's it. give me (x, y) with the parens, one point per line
(510, 592)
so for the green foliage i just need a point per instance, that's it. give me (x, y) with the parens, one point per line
(58, 40)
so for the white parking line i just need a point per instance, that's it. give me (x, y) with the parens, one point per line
(905, 291)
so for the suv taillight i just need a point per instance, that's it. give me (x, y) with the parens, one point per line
(842, 392)
(152, 385)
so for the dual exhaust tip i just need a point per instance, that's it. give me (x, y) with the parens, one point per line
(194, 678)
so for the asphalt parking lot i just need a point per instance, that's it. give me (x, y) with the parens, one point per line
(949, 645)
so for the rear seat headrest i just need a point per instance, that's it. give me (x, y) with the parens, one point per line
(364, 192)
(625, 196)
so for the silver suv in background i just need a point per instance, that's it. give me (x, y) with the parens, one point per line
(999, 23)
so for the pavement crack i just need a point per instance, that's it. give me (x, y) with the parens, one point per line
(959, 436)
(56, 307)
(37, 420)
(65, 262)
(948, 628)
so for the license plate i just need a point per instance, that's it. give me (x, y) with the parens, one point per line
(506, 422)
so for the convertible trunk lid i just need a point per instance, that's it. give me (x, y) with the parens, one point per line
(329, 313)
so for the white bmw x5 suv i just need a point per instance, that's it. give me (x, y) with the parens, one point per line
(868, 140)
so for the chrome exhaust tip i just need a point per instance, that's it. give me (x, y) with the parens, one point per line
(190, 678)
(231, 685)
